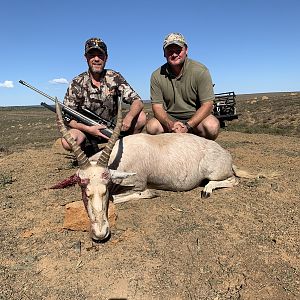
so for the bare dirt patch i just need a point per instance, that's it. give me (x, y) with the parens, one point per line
(241, 243)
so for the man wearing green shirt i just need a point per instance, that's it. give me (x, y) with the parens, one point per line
(182, 94)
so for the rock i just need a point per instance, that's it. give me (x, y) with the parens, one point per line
(76, 217)
(264, 98)
(26, 234)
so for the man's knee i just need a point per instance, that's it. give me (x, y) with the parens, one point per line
(213, 131)
(154, 127)
(213, 125)
(65, 144)
(209, 128)
(138, 123)
(141, 121)
(77, 135)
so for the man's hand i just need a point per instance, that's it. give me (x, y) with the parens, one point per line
(179, 127)
(127, 122)
(95, 131)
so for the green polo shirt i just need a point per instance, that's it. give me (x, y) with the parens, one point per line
(182, 95)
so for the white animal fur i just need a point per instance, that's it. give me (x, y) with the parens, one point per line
(177, 162)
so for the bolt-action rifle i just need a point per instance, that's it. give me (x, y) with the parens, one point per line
(75, 114)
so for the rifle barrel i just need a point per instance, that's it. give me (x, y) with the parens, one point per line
(84, 119)
(36, 90)
(64, 107)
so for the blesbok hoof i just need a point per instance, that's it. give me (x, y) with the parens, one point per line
(205, 194)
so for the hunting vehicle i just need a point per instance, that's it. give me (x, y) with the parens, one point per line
(225, 107)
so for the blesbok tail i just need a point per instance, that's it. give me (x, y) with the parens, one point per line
(245, 174)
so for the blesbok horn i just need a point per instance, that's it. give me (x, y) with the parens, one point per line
(83, 161)
(104, 157)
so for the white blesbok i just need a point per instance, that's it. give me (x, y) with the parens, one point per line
(142, 163)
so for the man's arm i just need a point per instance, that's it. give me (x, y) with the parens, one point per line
(206, 96)
(161, 115)
(201, 113)
(129, 96)
(93, 130)
(135, 108)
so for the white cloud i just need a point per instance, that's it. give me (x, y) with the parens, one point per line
(59, 81)
(7, 84)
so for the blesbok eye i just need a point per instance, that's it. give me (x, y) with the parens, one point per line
(105, 175)
(84, 182)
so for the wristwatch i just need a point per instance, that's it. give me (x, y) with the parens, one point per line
(189, 127)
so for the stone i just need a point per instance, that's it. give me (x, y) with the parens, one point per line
(76, 217)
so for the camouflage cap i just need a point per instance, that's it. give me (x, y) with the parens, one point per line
(95, 43)
(174, 38)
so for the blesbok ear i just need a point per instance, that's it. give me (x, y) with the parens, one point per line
(119, 174)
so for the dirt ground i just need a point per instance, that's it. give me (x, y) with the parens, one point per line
(241, 243)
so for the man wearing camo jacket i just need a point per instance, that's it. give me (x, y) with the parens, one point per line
(98, 90)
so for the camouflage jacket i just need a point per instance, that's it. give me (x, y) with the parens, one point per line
(102, 101)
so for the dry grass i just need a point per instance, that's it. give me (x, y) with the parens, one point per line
(279, 114)
(275, 113)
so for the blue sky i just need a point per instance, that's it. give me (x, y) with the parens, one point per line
(249, 46)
